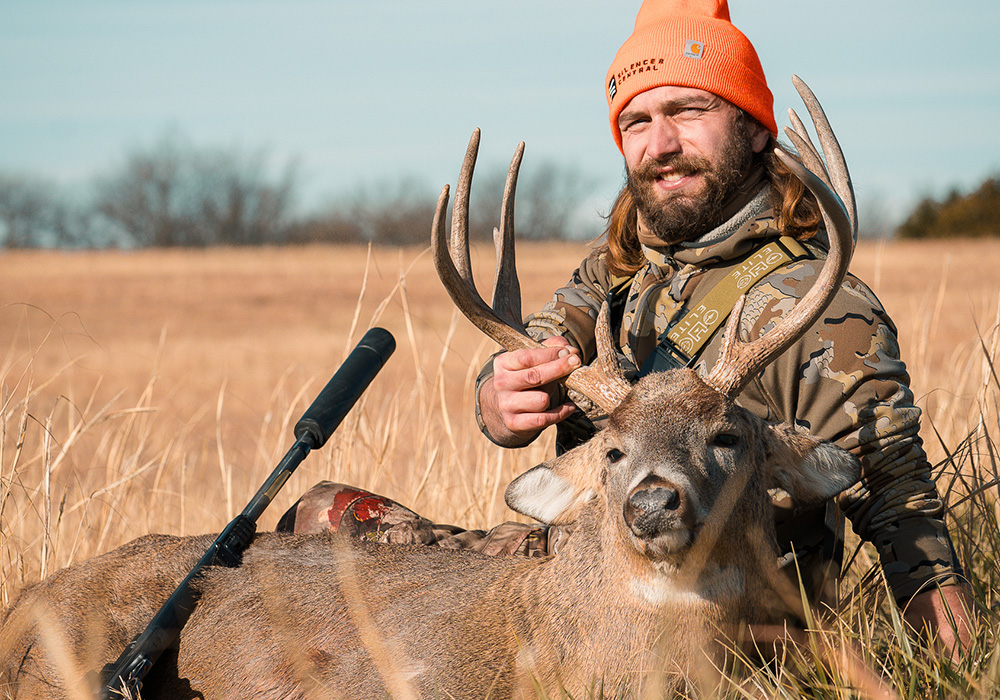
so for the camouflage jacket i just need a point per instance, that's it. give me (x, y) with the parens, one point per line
(843, 381)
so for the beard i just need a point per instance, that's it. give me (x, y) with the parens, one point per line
(674, 218)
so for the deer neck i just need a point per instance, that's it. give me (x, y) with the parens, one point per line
(722, 581)
(588, 611)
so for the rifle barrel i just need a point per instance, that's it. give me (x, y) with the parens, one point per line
(312, 431)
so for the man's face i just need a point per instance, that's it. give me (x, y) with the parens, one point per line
(686, 150)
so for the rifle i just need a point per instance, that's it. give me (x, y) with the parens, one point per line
(123, 678)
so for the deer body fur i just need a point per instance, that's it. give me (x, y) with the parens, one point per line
(672, 548)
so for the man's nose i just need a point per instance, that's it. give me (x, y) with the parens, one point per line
(664, 139)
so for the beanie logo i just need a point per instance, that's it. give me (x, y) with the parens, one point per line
(644, 66)
(694, 49)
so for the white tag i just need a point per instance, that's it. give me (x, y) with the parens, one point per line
(694, 49)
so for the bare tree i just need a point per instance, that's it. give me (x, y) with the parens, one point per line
(549, 196)
(238, 206)
(175, 194)
(26, 209)
(385, 213)
(400, 213)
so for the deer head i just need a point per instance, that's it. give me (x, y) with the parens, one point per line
(681, 463)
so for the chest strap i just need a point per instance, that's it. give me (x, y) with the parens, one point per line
(680, 345)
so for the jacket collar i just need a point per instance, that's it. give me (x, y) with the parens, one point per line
(733, 239)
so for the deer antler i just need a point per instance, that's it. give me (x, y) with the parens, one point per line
(739, 361)
(604, 383)
(838, 178)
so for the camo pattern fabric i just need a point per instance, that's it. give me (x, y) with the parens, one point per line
(842, 381)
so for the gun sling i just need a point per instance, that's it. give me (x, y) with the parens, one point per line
(682, 342)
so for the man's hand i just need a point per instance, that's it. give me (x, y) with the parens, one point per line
(928, 613)
(522, 398)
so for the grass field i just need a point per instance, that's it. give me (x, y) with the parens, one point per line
(153, 391)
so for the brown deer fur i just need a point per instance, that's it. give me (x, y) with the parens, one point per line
(673, 547)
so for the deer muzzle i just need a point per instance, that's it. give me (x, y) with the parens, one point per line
(657, 512)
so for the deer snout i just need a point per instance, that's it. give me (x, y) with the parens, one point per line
(655, 499)
(656, 509)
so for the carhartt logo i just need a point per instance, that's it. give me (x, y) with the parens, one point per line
(694, 49)
(612, 89)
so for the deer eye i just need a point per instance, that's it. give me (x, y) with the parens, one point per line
(615, 455)
(726, 440)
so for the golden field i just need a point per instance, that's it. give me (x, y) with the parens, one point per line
(161, 389)
(154, 391)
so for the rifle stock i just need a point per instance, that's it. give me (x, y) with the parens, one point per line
(123, 678)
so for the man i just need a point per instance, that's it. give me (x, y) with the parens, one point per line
(691, 112)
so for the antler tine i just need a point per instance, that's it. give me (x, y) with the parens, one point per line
(460, 214)
(799, 137)
(603, 382)
(506, 288)
(739, 361)
(835, 162)
(451, 260)
(607, 363)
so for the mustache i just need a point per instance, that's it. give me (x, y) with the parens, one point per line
(679, 163)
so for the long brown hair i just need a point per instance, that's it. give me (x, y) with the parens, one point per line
(798, 215)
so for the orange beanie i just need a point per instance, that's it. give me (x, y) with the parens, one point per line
(689, 43)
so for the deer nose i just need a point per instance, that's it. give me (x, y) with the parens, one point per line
(653, 507)
(659, 498)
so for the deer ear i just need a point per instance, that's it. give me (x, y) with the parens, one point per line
(553, 492)
(809, 469)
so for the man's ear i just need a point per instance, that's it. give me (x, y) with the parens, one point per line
(809, 469)
(553, 492)
(759, 135)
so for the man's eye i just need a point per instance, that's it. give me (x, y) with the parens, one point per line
(634, 124)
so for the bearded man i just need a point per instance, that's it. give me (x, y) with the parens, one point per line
(691, 112)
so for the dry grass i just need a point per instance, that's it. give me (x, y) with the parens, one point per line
(154, 391)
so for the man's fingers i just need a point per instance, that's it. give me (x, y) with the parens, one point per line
(530, 401)
(557, 341)
(524, 369)
(533, 422)
(531, 357)
(523, 389)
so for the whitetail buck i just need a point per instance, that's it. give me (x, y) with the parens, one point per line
(673, 544)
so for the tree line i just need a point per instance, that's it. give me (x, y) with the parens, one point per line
(175, 194)
(974, 214)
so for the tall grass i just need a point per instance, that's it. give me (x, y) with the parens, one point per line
(91, 459)
(871, 625)
(83, 472)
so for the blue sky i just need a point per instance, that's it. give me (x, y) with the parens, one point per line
(372, 91)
